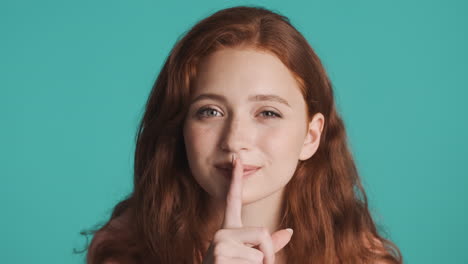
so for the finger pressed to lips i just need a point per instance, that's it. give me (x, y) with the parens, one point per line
(232, 217)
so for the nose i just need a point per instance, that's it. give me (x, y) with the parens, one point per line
(237, 135)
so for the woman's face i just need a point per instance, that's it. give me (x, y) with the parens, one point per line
(247, 102)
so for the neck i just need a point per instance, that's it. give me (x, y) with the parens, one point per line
(264, 213)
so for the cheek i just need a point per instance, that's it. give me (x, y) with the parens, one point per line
(198, 139)
(282, 142)
(200, 143)
(282, 147)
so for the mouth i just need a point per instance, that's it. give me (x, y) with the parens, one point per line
(227, 172)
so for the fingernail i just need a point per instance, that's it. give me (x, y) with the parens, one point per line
(233, 159)
(289, 230)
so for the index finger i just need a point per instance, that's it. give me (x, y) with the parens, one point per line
(232, 214)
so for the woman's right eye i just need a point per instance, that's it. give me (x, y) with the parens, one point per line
(206, 112)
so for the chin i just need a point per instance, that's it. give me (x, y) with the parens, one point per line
(251, 196)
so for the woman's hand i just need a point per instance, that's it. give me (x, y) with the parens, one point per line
(234, 243)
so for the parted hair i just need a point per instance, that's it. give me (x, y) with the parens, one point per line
(167, 219)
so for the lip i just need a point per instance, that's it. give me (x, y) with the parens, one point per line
(228, 165)
(247, 172)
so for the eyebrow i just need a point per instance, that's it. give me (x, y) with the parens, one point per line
(252, 98)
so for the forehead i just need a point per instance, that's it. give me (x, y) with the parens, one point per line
(238, 73)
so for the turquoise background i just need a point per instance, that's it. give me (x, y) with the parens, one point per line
(74, 77)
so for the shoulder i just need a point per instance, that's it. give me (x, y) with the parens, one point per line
(105, 233)
(374, 244)
(377, 247)
(99, 237)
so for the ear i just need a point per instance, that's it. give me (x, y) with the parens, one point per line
(312, 139)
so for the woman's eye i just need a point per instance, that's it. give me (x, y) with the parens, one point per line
(206, 112)
(271, 114)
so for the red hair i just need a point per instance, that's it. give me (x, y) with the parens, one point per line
(166, 220)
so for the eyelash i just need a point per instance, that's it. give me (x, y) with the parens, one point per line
(199, 113)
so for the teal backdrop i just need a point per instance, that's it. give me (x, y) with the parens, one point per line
(74, 77)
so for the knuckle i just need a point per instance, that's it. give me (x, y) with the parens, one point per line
(219, 260)
(219, 249)
(258, 256)
(263, 232)
(219, 235)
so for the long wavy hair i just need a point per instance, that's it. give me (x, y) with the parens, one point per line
(167, 215)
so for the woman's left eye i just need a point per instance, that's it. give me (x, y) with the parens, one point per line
(271, 114)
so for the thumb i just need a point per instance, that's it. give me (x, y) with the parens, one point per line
(281, 238)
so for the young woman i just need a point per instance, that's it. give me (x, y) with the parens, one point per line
(240, 143)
